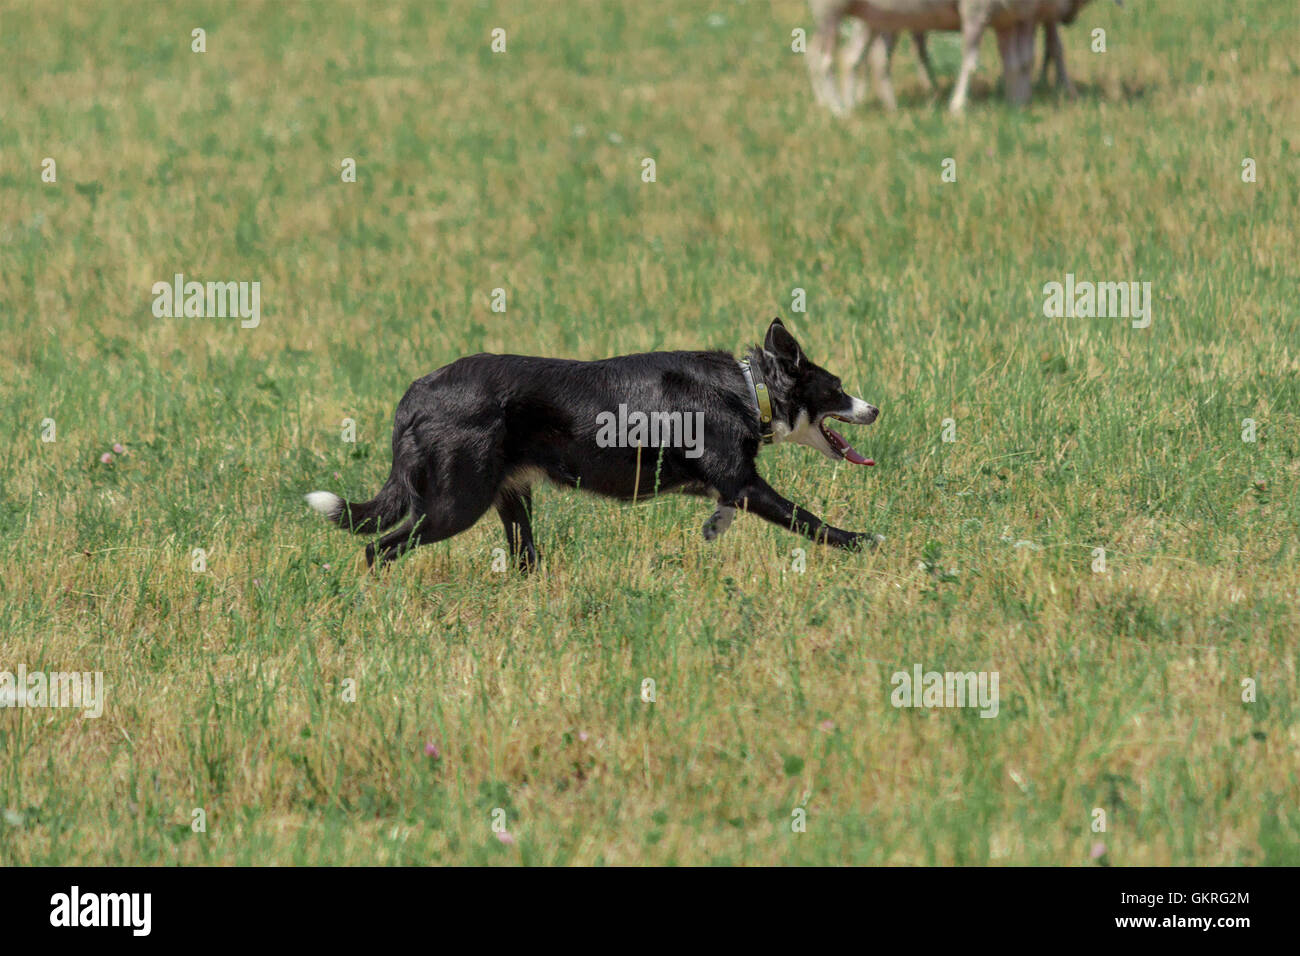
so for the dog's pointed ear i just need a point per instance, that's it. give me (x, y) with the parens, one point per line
(781, 343)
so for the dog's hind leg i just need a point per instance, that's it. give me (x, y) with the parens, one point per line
(390, 546)
(421, 529)
(515, 509)
(719, 522)
(440, 509)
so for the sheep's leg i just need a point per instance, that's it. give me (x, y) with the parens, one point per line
(854, 69)
(1007, 48)
(923, 54)
(1017, 61)
(972, 28)
(1056, 53)
(882, 45)
(1049, 30)
(821, 61)
(1025, 34)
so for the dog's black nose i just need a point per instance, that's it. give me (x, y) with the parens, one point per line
(872, 413)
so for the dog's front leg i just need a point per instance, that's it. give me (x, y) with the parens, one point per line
(761, 499)
(514, 508)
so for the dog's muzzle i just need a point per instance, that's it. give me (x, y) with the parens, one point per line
(861, 413)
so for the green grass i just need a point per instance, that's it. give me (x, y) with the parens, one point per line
(1119, 690)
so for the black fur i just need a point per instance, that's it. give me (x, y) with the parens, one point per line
(461, 433)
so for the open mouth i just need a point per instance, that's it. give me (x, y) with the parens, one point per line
(837, 442)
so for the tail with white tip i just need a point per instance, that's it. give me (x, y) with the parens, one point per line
(365, 517)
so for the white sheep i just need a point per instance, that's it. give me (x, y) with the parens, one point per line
(876, 24)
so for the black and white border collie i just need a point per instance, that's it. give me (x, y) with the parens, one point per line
(481, 432)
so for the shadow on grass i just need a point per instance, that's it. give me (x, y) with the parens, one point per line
(917, 98)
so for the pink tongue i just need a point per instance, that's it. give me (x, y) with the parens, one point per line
(848, 451)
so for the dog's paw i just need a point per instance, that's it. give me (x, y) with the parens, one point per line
(718, 523)
(864, 541)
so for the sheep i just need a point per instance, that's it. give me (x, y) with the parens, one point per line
(1014, 21)
(877, 22)
(852, 87)
(873, 19)
(1054, 53)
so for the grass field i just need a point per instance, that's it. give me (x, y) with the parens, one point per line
(291, 697)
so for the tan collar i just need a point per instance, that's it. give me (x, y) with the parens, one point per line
(761, 399)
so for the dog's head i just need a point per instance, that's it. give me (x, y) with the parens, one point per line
(805, 396)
